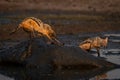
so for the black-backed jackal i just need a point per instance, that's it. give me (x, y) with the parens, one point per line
(35, 26)
(95, 42)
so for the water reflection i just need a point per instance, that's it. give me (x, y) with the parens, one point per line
(114, 74)
(111, 75)
(3, 77)
(34, 73)
(99, 77)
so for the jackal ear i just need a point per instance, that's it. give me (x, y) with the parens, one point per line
(106, 38)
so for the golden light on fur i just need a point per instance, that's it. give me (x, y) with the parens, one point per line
(35, 26)
(95, 42)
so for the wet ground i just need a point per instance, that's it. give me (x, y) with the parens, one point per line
(89, 26)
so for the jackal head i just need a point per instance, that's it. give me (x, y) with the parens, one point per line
(105, 42)
(51, 35)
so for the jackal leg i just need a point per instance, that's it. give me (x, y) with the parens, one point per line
(98, 51)
(33, 32)
(39, 34)
(28, 51)
(31, 36)
(58, 42)
(48, 38)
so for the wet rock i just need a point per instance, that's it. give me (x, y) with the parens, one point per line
(14, 53)
(44, 56)
(63, 57)
(43, 61)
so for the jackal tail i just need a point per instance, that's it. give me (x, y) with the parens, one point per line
(14, 30)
